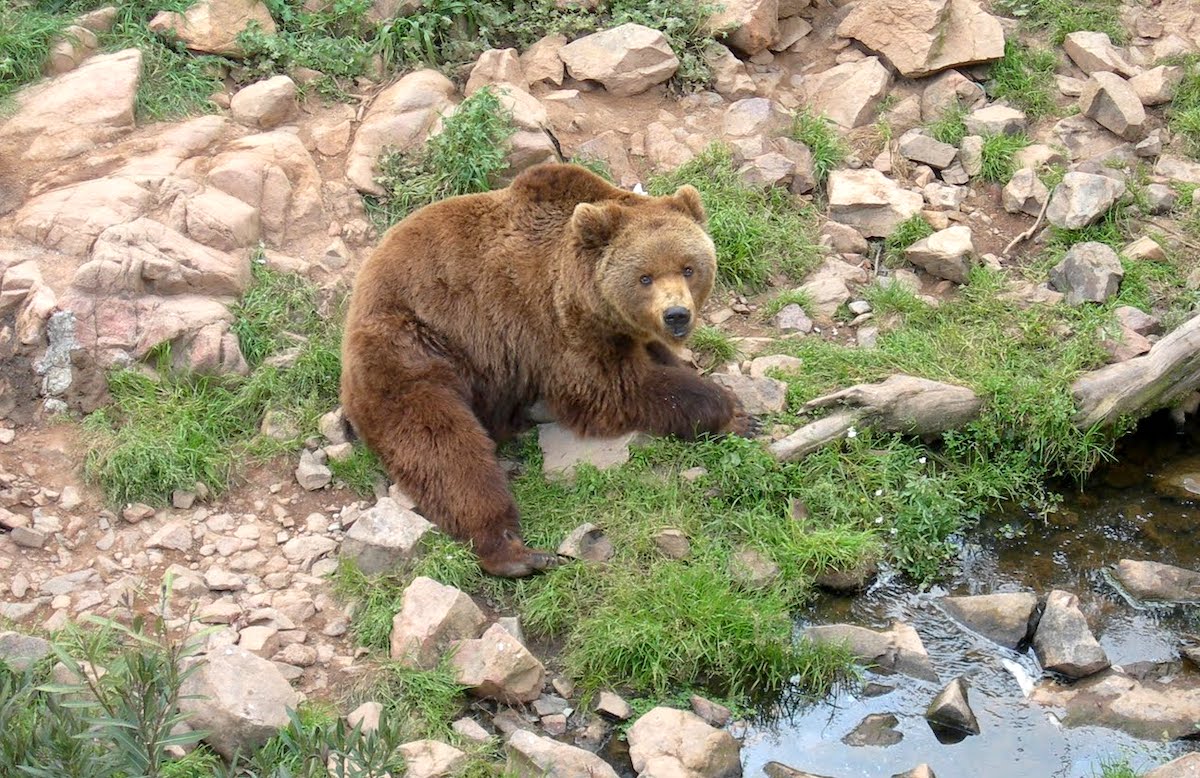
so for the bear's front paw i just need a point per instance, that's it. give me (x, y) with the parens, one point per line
(743, 424)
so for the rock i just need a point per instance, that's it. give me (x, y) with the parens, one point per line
(27, 537)
(174, 535)
(1112, 103)
(780, 770)
(1094, 52)
(848, 94)
(1158, 582)
(768, 170)
(950, 710)
(877, 729)
(1024, 193)
(730, 78)
(945, 254)
(1160, 198)
(760, 365)
(666, 741)
(312, 474)
(306, 549)
(919, 147)
(265, 104)
(673, 543)
(1063, 642)
(751, 26)
(920, 771)
(529, 754)
(758, 395)
(540, 62)
(1151, 708)
(220, 580)
(213, 26)
(843, 239)
(563, 450)
(20, 652)
(431, 759)
(995, 120)
(76, 112)
(1137, 321)
(365, 716)
(792, 318)
(1090, 272)
(1036, 156)
(1145, 248)
(753, 569)
(71, 218)
(609, 147)
(1003, 618)
(948, 90)
(401, 117)
(899, 648)
(333, 426)
(137, 512)
(1085, 139)
(470, 729)
(1157, 85)
(384, 536)
(221, 221)
(496, 666)
(1178, 169)
(70, 48)
(1186, 766)
(587, 542)
(870, 202)
(848, 580)
(1081, 199)
(259, 639)
(497, 66)
(613, 705)
(924, 37)
(626, 60)
(754, 116)
(217, 698)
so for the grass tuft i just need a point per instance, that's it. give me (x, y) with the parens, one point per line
(757, 232)
(1024, 78)
(821, 137)
(1063, 17)
(906, 233)
(26, 36)
(951, 127)
(1184, 110)
(714, 344)
(999, 156)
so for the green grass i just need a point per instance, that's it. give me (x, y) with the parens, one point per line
(360, 471)
(951, 127)
(466, 157)
(822, 139)
(714, 344)
(1184, 110)
(420, 703)
(167, 429)
(757, 232)
(785, 298)
(26, 35)
(1117, 769)
(1024, 78)
(999, 156)
(1063, 17)
(906, 233)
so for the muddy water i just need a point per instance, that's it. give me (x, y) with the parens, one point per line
(1117, 515)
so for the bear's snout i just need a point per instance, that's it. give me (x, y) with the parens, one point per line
(678, 320)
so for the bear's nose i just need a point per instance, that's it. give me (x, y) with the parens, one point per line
(677, 318)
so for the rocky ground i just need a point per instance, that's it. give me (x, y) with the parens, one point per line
(119, 235)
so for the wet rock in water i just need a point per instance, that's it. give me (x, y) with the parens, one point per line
(20, 652)
(898, 649)
(1003, 618)
(1090, 272)
(1156, 581)
(1081, 199)
(715, 714)
(1186, 766)
(530, 754)
(1180, 480)
(674, 742)
(498, 667)
(1160, 708)
(877, 729)
(563, 450)
(780, 770)
(431, 616)
(384, 536)
(1063, 642)
(950, 715)
(851, 579)
(431, 759)
(240, 699)
(920, 771)
(758, 395)
(587, 542)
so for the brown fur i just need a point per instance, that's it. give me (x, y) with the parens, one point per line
(473, 308)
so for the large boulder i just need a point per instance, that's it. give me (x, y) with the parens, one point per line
(667, 742)
(920, 37)
(401, 118)
(529, 754)
(75, 112)
(848, 94)
(870, 202)
(240, 699)
(213, 26)
(1158, 582)
(626, 60)
(750, 26)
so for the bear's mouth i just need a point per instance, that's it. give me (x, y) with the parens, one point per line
(681, 332)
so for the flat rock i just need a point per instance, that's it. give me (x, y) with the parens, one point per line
(626, 60)
(1081, 199)
(899, 648)
(995, 120)
(1003, 618)
(792, 318)
(923, 37)
(563, 450)
(848, 94)
(759, 366)
(870, 202)
(877, 730)
(240, 699)
(919, 147)
(213, 26)
(1094, 52)
(1158, 582)
(666, 741)
(530, 754)
(497, 667)
(1112, 102)
(1063, 642)
(1158, 709)
(1090, 272)
(384, 536)
(758, 395)
(174, 535)
(431, 759)
(951, 710)
(613, 705)
(946, 253)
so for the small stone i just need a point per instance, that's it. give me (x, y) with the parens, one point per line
(951, 710)
(792, 318)
(471, 730)
(220, 580)
(384, 536)
(265, 104)
(174, 536)
(496, 666)
(530, 754)
(613, 705)
(27, 537)
(1160, 198)
(1094, 52)
(182, 499)
(946, 254)
(431, 616)
(995, 120)
(673, 543)
(919, 147)
(311, 473)
(259, 639)
(365, 716)
(714, 714)
(1145, 248)
(20, 652)
(757, 395)
(1157, 85)
(136, 512)
(587, 542)
(1156, 582)
(753, 569)
(1081, 199)
(1004, 618)
(1024, 193)
(1111, 102)
(1090, 272)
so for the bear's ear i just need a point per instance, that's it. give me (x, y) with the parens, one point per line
(687, 200)
(596, 224)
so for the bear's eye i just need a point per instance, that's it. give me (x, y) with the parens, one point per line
(647, 280)
(687, 271)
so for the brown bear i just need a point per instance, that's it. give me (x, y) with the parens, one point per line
(560, 287)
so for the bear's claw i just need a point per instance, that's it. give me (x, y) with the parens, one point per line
(527, 564)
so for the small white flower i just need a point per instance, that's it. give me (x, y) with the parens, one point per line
(852, 433)
(878, 519)
(637, 188)
(921, 460)
(878, 492)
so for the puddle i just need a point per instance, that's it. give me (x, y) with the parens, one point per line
(1012, 551)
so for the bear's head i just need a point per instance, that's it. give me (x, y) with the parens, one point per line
(656, 263)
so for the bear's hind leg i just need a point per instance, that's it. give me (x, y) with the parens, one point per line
(405, 407)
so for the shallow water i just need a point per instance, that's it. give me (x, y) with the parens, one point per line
(1011, 551)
